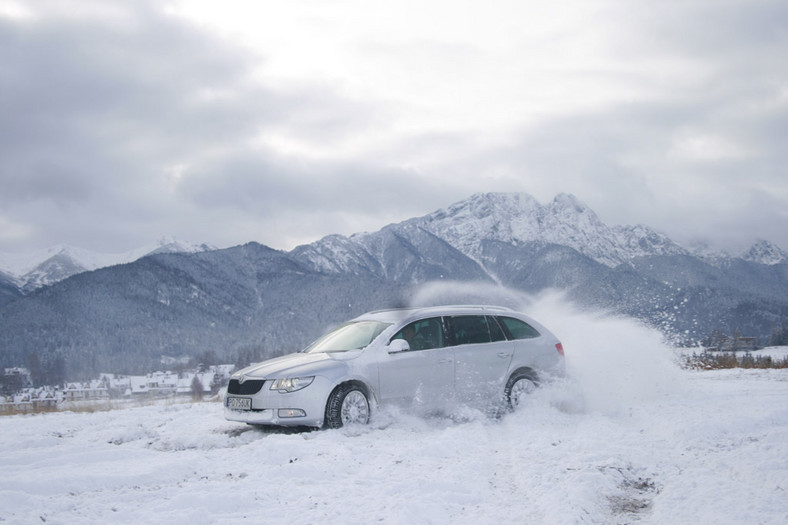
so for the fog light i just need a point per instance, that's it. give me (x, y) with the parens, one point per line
(291, 412)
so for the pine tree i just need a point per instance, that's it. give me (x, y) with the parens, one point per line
(779, 335)
(197, 389)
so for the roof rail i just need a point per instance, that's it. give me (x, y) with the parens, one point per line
(482, 307)
(476, 306)
(397, 309)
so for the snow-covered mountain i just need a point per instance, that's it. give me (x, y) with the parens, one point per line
(510, 218)
(517, 219)
(765, 252)
(249, 302)
(761, 252)
(34, 270)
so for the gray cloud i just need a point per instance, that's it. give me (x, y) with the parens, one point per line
(98, 117)
(87, 104)
(119, 129)
(624, 164)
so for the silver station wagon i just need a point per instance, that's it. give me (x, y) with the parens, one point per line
(422, 358)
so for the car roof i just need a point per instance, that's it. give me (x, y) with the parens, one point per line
(399, 314)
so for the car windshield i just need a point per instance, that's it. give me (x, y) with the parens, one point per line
(350, 336)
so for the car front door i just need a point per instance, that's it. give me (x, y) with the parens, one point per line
(422, 375)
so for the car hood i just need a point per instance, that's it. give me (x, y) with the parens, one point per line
(294, 365)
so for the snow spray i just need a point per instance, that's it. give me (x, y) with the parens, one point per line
(613, 362)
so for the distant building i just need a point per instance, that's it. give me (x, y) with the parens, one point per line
(47, 399)
(25, 398)
(92, 390)
(735, 344)
(17, 375)
(17, 371)
(28, 399)
(167, 360)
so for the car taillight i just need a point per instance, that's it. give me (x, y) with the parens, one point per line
(560, 348)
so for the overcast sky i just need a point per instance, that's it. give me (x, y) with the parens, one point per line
(281, 122)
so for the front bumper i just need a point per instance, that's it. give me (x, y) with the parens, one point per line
(305, 407)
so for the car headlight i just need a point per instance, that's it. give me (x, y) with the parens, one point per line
(291, 384)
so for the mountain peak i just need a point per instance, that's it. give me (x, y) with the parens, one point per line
(482, 205)
(518, 218)
(569, 201)
(765, 252)
(169, 244)
(60, 261)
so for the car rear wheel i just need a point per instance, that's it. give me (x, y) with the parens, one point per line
(347, 405)
(518, 388)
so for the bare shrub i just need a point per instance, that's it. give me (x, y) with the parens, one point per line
(723, 360)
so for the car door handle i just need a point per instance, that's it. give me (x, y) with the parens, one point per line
(504, 355)
(445, 360)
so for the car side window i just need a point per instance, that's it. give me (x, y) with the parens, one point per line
(423, 334)
(470, 329)
(518, 329)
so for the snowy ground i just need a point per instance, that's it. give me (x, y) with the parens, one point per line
(778, 353)
(629, 438)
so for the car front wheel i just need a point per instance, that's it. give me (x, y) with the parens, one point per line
(347, 405)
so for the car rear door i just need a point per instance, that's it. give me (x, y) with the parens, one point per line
(481, 358)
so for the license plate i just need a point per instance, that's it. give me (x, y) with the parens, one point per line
(239, 403)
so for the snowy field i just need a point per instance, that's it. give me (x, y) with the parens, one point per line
(778, 353)
(628, 438)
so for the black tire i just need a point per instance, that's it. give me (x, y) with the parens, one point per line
(348, 404)
(519, 385)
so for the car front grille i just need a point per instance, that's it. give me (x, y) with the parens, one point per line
(247, 388)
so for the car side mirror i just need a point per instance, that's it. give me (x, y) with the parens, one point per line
(398, 345)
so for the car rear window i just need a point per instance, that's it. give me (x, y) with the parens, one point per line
(518, 329)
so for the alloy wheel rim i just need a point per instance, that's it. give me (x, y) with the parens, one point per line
(355, 408)
(520, 389)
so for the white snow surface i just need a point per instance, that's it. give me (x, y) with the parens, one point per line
(775, 352)
(628, 437)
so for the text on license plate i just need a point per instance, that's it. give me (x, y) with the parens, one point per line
(239, 403)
